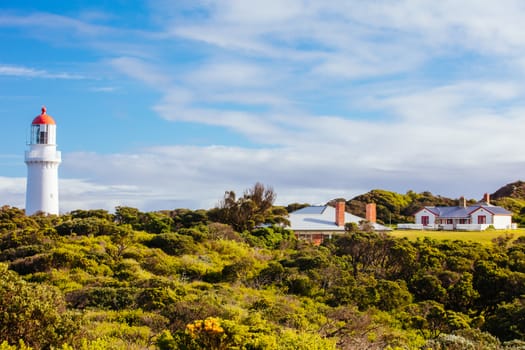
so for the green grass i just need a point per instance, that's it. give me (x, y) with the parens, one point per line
(484, 237)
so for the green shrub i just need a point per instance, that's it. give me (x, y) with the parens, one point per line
(173, 243)
(34, 313)
(111, 298)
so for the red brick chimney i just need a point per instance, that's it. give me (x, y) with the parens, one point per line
(340, 209)
(371, 215)
(486, 198)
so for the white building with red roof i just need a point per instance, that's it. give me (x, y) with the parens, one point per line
(477, 217)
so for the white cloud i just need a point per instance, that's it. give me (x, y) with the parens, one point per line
(340, 97)
(226, 74)
(12, 191)
(19, 71)
(139, 70)
(104, 89)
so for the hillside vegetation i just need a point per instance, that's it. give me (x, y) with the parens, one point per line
(184, 279)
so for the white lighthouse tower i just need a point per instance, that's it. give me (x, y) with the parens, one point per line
(42, 161)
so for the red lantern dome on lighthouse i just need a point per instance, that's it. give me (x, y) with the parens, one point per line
(43, 129)
(43, 118)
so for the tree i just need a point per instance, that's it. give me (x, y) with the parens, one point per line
(252, 209)
(127, 215)
(392, 295)
(508, 321)
(356, 247)
(462, 295)
(495, 284)
(431, 318)
(427, 287)
(372, 252)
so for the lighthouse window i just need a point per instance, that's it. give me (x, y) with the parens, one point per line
(43, 137)
(40, 134)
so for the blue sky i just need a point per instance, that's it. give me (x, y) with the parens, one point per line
(167, 104)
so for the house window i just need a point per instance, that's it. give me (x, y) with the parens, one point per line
(482, 219)
(425, 220)
(463, 221)
(449, 221)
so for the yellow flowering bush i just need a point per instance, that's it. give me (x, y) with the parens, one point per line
(208, 333)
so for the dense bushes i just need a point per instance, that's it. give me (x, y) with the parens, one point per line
(137, 280)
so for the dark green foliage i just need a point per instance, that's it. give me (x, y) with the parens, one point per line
(496, 285)
(462, 295)
(21, 252)
(127, 215)
(21, 237)
(155, 223)
(236, 271)
(173, 243)
(432, 319)
(269, 237)
(185, 218)
(13, 218)
(94, 213)
(427, 287)
(300, 285)
(87, 226)
(508, 321)
(392, 295)
(181, 219)
(111, 298)
(369, 251)
(273, 274)
(30, 264)
(199, 234)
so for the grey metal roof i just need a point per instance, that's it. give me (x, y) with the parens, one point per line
(464, 212)
(316, 209)
(494, 209)
(453, 212)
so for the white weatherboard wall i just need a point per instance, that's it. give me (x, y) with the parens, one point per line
(425, 212)
(502, 221)
(481, 212)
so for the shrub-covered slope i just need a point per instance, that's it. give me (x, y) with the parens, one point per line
(177, 280)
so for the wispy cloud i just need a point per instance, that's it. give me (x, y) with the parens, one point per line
(142, 71)
(19, 71)
(104, 89)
